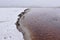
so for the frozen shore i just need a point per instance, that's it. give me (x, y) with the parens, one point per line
(8, 17)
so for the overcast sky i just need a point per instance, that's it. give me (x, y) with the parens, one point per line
(29, 3)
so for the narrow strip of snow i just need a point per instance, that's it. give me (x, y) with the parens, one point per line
(8, 17)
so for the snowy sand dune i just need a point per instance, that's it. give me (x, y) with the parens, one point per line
(8, 17)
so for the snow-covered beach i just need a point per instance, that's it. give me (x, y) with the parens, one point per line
(8, 17)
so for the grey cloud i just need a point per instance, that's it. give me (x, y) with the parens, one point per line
(29, 3)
